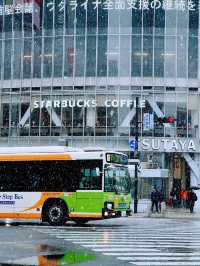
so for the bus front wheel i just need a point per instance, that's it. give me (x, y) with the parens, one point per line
(55, 214)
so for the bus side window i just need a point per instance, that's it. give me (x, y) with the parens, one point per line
(84, 182)
(91, 179)
(95, 178)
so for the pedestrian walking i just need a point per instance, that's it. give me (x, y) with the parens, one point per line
(161, 199)
(154, 199)
(184, 198)
(175, 197)
(192, 198)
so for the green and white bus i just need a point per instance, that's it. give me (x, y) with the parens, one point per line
(56, 184)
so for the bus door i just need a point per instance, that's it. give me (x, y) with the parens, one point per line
(89, 196)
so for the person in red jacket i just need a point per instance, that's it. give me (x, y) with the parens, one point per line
(183, 198)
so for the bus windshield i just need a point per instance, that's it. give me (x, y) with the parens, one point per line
(117, 179)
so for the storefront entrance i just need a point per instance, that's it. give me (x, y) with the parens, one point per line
(147, 183)
(179, 176)
(179, 171)
(172, 174)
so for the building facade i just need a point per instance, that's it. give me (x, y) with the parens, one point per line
(70, 71)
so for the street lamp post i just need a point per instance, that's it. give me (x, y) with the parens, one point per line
(136, 157)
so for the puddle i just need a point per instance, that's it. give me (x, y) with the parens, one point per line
(70, 257)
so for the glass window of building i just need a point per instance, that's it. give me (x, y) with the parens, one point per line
(69, 56)
(101, 116)
(80, 56)
(193, 57)
(37, 57)
(136, 59)
(102, 56)
(47, 57)
(91, 56)
(125, 56)
(27, 58)
(159, 56)
(147, 56)
(182, 115)
(170, 56)
(58, 57)
(113, 55)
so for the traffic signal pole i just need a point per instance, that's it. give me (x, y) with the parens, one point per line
(136, 157)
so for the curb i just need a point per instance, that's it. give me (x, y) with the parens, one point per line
(166, 215)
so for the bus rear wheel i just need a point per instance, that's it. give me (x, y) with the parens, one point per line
(55, 214)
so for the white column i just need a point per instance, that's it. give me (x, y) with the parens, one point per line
(55, 118)
(25, 117)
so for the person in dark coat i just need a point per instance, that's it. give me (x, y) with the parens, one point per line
(175, 197)
(154, 199)
(192, 198)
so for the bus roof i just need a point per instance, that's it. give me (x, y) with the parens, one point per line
(48, 153)
(37, 149)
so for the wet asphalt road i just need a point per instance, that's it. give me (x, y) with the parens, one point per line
(22, 243)
(123, 241)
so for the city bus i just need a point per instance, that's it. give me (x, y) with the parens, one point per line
(56, 184)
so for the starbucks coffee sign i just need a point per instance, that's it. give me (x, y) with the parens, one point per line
(83, 103)
(169, 145)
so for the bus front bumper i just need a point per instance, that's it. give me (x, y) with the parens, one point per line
(116, 213)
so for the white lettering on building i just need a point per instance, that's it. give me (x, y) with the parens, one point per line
(182, 143)
(180, 5)
(87, 103)
(174, 145)
(165, 141)
(191, 145)
(26, 8)
(169, 145)
(36, 104)
(155, 144)
(48, 104)
(146, 144)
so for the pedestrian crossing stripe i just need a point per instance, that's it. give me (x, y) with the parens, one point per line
(168, 258)
(125, 233)
(137, 241)
(174, 245)
(152, 254)
(166, 263)
(124, 249)
(144, 245)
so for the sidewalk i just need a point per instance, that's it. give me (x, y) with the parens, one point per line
(177, 213)
(167, 212)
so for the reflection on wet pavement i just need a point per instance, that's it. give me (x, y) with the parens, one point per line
(70, 257)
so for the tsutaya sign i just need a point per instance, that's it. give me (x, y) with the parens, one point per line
(65, 103)
(169, 145)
